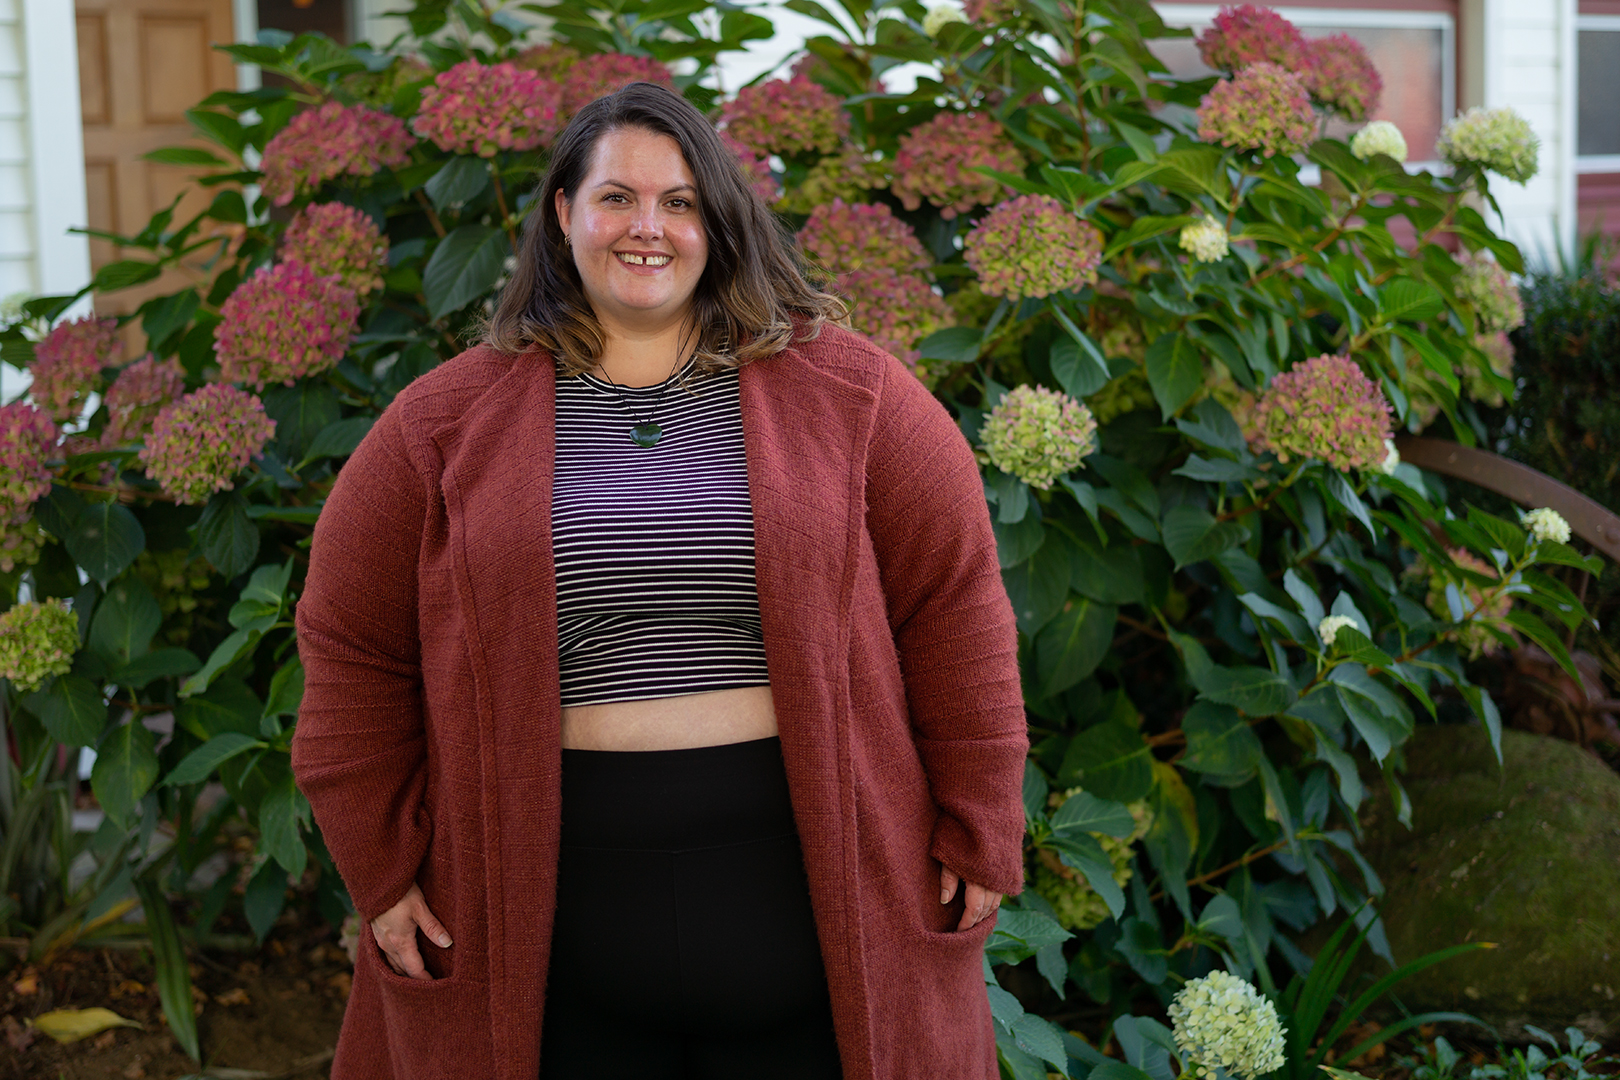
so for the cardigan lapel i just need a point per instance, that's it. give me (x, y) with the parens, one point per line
(497, 483)
(805, 432)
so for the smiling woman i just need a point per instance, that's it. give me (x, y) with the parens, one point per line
(708, 742)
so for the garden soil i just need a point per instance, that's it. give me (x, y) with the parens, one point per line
(270, 1013)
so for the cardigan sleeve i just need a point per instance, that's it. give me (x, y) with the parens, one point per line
(954, 630)
(359, 751)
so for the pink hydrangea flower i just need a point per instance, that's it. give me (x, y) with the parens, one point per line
(136, 397)
(335, 240)
(1260, 108)
(1325, 408)
(1339, 74)
(600, 74)
(67, 364)
(1248, 34)
(936, 159)
(283, 323)
(756, 167)
(895, 310)
(986, 12)
(27, 437)
(485, 108)
(841, 237)
(331, 141)
(1032, 246)
(1038, 435)
(786, 116)
(37, 640)
(199, 443)
(1474, 634)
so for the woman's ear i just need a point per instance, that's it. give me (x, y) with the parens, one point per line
(561, 202)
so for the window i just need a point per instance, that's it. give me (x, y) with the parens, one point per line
(1414, 51)
(1597, 120)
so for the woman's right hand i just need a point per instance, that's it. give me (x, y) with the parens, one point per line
(395, 931)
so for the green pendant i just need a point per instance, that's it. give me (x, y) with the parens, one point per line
(646, 435)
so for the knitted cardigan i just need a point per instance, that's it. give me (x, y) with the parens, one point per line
(428, 739)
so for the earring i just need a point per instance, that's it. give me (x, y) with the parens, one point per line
(567, 239)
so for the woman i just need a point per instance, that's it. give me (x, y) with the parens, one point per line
(661, 704)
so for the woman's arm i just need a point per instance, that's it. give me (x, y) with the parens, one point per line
(954, 629)
(359, 751)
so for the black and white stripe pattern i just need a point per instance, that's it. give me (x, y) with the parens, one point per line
(654, 547)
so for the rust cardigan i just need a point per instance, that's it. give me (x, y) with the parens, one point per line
(428, 740)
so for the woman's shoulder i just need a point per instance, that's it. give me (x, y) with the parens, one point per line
(850, 356)
(445, 393)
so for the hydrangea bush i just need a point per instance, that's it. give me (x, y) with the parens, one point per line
(1182, 369)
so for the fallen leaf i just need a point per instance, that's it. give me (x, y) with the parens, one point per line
(105, 1040)
(27, 986)
(71, 1025)
(136, 1069)
(237, 996)
(341, 983)
(128, 988)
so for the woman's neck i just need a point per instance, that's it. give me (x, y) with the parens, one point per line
(644, 357)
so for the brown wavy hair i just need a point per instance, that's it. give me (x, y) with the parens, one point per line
(753, 299)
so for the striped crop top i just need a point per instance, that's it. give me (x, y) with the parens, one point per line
(654, 546)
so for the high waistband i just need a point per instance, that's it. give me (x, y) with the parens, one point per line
(675, 800)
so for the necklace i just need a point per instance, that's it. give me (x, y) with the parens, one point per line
(644, 433)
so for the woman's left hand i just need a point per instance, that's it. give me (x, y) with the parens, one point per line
(979, 902)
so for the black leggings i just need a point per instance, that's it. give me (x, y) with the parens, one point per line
(684, 946)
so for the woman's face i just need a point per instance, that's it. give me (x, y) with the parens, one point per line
(636, 233)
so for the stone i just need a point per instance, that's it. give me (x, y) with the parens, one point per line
(1525, 855)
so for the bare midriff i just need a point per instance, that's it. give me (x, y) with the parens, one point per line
(672, 723)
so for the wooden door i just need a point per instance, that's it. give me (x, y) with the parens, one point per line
(142, 64)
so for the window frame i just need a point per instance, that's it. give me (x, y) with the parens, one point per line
(1594, 163)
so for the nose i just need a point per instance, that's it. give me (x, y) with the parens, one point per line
(648, 223)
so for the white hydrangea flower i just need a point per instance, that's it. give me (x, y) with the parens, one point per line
(1220, 1020)
(1392, 458)
(1328, 629)
(940, 16)
(1379, 137)
(1546, 523)
(1206, 239)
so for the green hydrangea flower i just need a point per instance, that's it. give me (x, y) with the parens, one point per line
(1496, 139)
(1379, 137)
(37, 641)
(1076, 903)
(1038, 435)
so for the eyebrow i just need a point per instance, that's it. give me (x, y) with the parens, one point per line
(627, 187)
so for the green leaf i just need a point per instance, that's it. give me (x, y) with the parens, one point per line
(1533, 628)
(71, 708)
(1293, 627)
(1080, 851)
(954, 345)
(1256, 691)
(126, 767)
(1220, 743)
(1345, 495)
(1175, 371)
(1017, 541)
(1411, 301)
(226, 653)
(1379, 731)
(104, 539)
(169, 958)
(1039, 585)
(1191, 534)
(1076, 373)
(1041, 1038)
(1130, 481)
(1035, 791)
(226, 536)
(1073, 644)
(463, 268)
(1083, 812)
(279, 814)
(338, 439)
(124, 622)
(1112, 575)
(183, 155)
(1303, 595)
(228, 705)
(123, 274)
(1216, 470)
(286, 691)
(1113, 761)
(1551, 551)
(301, 412)
(200, 764)
(460, 181)
(264, 897)
(154, 665)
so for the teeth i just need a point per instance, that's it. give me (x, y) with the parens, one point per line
(638, 260)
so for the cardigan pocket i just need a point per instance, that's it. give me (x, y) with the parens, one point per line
(433, 1027)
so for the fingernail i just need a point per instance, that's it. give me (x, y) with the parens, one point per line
(944, 896)
(444, 941)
